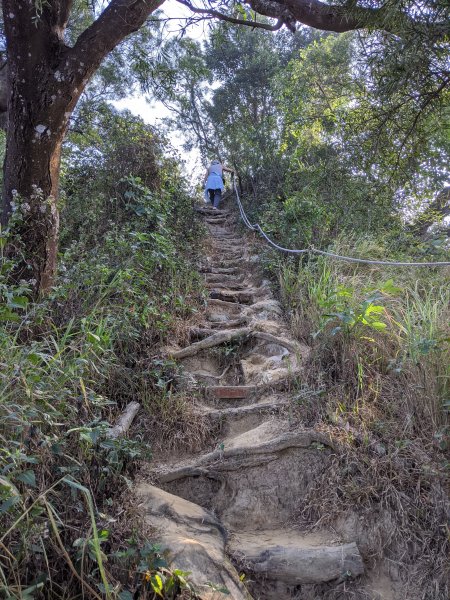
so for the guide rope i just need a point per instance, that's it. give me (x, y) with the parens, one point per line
(390, 263)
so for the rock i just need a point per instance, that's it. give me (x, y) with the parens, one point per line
(296, 559)
(196, 542)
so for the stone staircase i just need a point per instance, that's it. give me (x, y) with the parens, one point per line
(231, 508)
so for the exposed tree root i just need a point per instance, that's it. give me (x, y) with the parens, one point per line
(229, 459)
(221, 337)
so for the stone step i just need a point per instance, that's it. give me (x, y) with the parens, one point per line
(230, 391)
(235, 276)
(238, 265)
(233, 252)
(228, 263)
(253, 447)
(239, 297)
(216, 215)
(226, 245)
(228, 285)
(256, 477)
(224, 309)
(225, 278)
(295, 558)
(208, 210)
(209, 270)
(226, 324)
(217, 221)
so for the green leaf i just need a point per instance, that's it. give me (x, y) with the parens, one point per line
(8, 315)
(156, 583)
(33, 358)
(7, 504)
(75, 485)
(374, 309)
(8, 485)
(31, 591)
(93, 337)
(18, 302)
(218, 588)
(389, 288)
(27, 477)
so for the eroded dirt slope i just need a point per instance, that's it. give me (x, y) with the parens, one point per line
(231, 508)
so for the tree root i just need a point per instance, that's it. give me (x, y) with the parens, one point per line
(221, 337)
(234, 458)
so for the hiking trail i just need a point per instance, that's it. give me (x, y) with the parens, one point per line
(232, 508)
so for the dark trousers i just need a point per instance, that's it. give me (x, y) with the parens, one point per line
(215, 196)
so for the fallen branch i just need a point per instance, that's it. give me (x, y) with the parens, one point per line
(125, 420)
(233, 297)
(238, 411)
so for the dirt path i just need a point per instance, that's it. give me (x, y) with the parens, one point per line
(231, 508)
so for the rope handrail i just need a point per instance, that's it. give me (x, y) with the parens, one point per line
(390, 263)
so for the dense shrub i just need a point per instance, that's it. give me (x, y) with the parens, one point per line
(71, 362)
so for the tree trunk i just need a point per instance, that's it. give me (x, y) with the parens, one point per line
(45, 80)
(3, 90)
(41, 98)
(39, 112)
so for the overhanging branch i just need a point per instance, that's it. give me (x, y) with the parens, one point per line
(210, 12)
(313, 13)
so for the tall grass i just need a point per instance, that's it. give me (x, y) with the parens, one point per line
(68, 365)
(380, 355)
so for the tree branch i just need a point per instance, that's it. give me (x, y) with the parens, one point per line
(329, 17)
(117, 21)
(218, 15)
(309, 12)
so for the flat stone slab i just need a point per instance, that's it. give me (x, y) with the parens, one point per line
(196, 542)
(227, 392)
